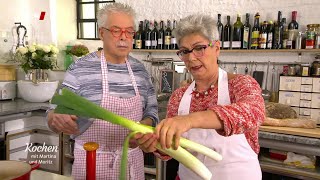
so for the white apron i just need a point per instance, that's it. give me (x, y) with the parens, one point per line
(239, 160)
(110, 137)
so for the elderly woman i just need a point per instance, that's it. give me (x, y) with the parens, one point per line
(220, 110)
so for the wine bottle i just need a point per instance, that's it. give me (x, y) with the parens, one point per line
(173, 43)
(263, 35)
(138, 36)
(237, 33)
(293, 31)
(161, 36)
(246, 33)
(227, 34)
(154, 35)
(285, 33)
(278, 32)
(270, 31)
(255, 32)
(220, 29)
(147, 40)
(167, 36)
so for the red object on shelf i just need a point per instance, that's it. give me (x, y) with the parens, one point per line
(91, 148)
(279, 155)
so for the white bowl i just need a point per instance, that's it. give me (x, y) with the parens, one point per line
(40, 92)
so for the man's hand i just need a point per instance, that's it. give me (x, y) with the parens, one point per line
(147, 142)
(63, 123)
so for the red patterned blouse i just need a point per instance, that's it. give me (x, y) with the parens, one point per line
(244, 115)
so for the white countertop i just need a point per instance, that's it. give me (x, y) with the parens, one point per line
(44, 175)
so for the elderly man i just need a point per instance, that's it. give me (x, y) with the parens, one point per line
(117, 82)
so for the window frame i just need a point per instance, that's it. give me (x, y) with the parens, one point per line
(81, 21)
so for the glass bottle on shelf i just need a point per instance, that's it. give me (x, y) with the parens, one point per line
(167, 37)
(220, 29)
(227, 34)
(278, 32)
(246, 33)
(174, 44)
(285, 34)
(138, 36)
(270, 31)
(147, 40)
(255, 32)
(154, 35)
(263, 35)
(292, 31)
(161, 36)
(237, 33)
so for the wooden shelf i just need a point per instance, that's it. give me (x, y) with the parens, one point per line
(237, 50)
(152, 171)
(283, 169)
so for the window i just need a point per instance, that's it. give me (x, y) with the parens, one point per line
(87, 10)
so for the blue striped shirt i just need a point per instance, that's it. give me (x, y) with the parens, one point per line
(84, 77)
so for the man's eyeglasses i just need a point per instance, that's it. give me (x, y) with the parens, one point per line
(117, 32)
(198, 51)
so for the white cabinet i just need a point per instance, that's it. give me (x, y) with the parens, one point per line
(29, 139)
(289, 98)
(302, 93)
(315, 102)
(288, 83)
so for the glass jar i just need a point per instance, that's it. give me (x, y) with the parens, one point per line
(305, 70)
(317, 39)
(310, 35)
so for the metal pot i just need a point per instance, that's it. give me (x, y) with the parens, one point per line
(16, 170)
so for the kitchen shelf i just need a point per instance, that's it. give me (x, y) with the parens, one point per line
(152, 171)
(286, 170)
(237, 50)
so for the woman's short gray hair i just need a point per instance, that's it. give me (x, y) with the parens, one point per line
(113, 8)
(204, 25)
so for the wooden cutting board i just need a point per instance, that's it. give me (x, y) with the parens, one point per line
(315, 133)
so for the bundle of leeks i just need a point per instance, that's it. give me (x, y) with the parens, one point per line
(70, 103)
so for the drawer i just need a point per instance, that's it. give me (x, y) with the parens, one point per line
(289, 98)
(306, 80)
(305, 103)
(316, 85)
(315, 102)
(19, 142)
(290, 83)
(306, 88)
(304, 111)
(305, 96)
(315, 115)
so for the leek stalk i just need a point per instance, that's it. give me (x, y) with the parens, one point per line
(70, 103)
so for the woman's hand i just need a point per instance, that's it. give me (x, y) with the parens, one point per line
(147, 142)
(171, 129)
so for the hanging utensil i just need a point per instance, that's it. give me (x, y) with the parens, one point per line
(258, 75)
(235, 69)
(266, 93)
(246, 70)
(274, 94)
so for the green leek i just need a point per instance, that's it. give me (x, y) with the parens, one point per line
(70, 103)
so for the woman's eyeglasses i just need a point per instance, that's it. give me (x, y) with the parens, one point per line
(117, 32)
(198, 51)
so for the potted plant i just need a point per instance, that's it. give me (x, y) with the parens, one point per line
(73, 53)
(36, 56)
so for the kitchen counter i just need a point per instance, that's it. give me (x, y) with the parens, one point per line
(44, 175)
(291, 141)
(20, 106)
